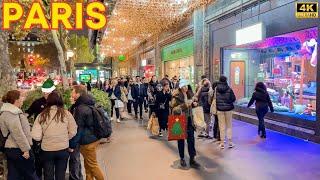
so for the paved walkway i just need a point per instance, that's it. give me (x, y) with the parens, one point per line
(133, 155)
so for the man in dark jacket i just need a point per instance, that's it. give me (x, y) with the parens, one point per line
(86, 137)
(225, 100)
(33, 111)
(139, 93)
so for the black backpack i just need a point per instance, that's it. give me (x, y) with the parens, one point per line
(102, 122)
(3, 139)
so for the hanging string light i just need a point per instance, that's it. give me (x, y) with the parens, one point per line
(134, 21)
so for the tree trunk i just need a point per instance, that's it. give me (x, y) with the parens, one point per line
(7, 76)
(61, 57)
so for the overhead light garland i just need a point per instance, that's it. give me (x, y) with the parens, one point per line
(134, 21)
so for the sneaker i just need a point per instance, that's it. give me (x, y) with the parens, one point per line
(160, 134)
(263, 136)
(111, 119)
(183, 163)
(231, 145)
(201, 135)
(135, 117)
(221, 145)
(118, 121)
(194, 164)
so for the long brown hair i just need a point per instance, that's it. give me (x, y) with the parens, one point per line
(54, 99)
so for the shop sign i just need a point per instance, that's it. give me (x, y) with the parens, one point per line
(250, 34)
(239, 55)
(178, 50)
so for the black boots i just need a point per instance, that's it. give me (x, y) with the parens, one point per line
(183, 163)
(194, 164)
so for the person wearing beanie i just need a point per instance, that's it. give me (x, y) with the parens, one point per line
(182, 104)
(225, 100)
(33, 111)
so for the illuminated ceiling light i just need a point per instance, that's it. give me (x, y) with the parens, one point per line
(184, 10)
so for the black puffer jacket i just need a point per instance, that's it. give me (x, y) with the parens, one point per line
(83, 115)
(225, 97)
(204, 99)
(262, 99)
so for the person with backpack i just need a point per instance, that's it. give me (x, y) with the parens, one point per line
(15, 138)
(84, 115)
(203, 97)
(224, 103)
(263, 103)
(54, 127)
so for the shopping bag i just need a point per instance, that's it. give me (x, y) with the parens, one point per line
(213, 107)
(177, 125)
(153, 126)
(118, 104)
(198, 118)
(211, 126)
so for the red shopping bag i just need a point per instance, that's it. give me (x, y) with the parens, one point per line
(177, 127)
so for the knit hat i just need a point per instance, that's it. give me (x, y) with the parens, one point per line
(183, 82)
(48, 86)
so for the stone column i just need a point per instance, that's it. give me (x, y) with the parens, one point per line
(198, 33)
(158, 60)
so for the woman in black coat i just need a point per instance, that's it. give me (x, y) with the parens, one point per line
(263, 103)
(162, 102)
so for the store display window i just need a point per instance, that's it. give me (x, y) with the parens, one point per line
(287, 64)
(182, 68)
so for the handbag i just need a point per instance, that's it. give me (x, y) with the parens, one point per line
(118, 104)
(198, 117)
(37, 144)
(213, 107)
(163, 105)
(177, 125)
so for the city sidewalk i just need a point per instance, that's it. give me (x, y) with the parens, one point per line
(132, 154)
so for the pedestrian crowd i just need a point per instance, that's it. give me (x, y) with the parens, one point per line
(58, 136)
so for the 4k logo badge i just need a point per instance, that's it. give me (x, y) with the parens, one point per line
(307, 10)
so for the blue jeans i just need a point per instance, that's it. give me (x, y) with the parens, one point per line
(261, 112)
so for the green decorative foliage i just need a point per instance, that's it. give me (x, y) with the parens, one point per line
(30, 97)
(177, 129)
(36, 94)
(102, 99)
(66, 96)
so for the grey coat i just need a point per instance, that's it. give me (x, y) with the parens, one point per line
(14, 121)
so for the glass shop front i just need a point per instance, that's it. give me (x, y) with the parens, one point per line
(287, 64)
